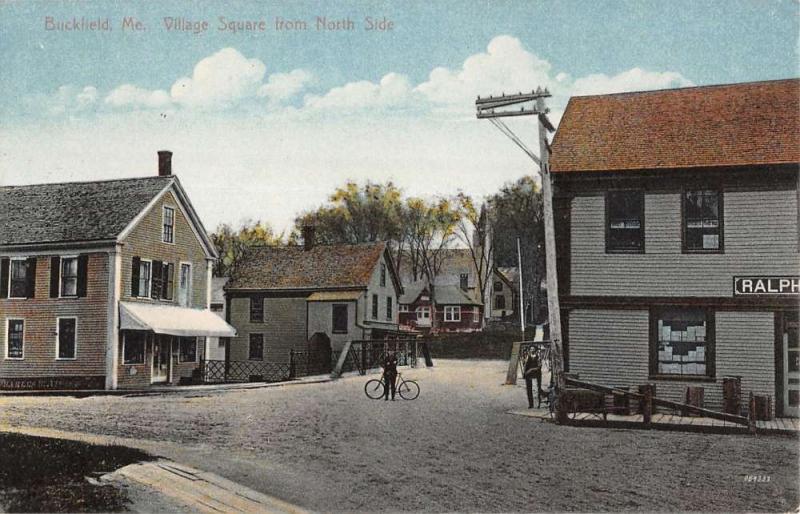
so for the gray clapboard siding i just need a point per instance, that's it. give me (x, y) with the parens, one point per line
(760, 238)
(611, 347)
(284, 328)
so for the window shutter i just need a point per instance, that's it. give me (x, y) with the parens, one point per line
(83, 271)
(157, 278)
(170, 281)
(55, 275)
(30, 277)
(135, 276)
(4, 278)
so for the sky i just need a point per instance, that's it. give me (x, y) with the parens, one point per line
(266, 120)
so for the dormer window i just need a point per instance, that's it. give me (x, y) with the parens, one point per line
(168, 233)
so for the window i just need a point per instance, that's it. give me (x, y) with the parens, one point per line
(18, 285)
(185, 284)
(374, 306)
(499, 302)
(339, 314)
(383, 275)
(463, 279)
(702, 221)
(66, 338)
(256, 347)
(403, 307)
(389, 313)
(15, 339)
(145, 268)
(423, 313)
(452, 313)
(498, 285)
(133, 353)
(625, 221)
(69, 276)
(167, 280)
(682, 343)
(168, 234)
(188, 349)
(256, 309)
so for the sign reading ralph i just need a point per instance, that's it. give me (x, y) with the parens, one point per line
(766, 286)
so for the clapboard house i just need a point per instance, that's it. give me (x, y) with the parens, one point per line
(280, 297)
(103, 284)
(677, 234)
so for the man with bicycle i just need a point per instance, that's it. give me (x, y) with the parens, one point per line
(389, 374)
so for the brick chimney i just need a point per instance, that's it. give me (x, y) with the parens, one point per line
(164, 163)
(309, 234)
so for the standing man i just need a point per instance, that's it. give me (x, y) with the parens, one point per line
(389, 374)
(531, 371)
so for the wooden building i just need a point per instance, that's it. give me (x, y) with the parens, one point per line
(677, 237)
(449, 308)
(278, 298)
(103, 284)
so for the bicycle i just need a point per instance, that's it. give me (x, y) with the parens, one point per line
(407, 389)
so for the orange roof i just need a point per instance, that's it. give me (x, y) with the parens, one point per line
(725, 125)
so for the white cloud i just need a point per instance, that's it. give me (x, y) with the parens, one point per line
(67, 99)
(635, 79)
(506, 66)
(130, 95)
(297, 161)
(219, 80)
(283, 86)
(392, 90)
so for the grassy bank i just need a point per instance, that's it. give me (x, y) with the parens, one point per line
(39, 474)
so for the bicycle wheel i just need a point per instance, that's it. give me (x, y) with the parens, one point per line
(408, 389)
(374, 389)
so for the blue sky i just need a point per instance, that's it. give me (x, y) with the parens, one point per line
(274, 120)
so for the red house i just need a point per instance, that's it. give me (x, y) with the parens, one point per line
(441, 308)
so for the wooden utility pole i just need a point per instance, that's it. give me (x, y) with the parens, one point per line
(553, 307)
(486, 108)
(521, 297)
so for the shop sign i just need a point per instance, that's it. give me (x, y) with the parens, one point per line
(749, 286)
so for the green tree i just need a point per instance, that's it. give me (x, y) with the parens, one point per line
(231, 243)
(357, 214)
(517, 213)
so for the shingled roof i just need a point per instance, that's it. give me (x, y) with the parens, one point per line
(753, 123)
(73, 211)
(337, 266)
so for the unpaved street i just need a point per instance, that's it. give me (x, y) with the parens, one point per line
(327, 447)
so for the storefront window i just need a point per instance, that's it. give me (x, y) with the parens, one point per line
(683, 342)
(188, 349)
(134, 348)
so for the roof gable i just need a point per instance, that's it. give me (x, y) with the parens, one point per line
(727, 125)
(74, 211)
(293, 267)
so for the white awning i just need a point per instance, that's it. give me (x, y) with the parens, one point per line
(172, 320)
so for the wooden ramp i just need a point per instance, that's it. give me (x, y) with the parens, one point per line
(198, 490)
(778, 426)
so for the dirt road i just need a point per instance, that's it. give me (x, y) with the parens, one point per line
(327, 447)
